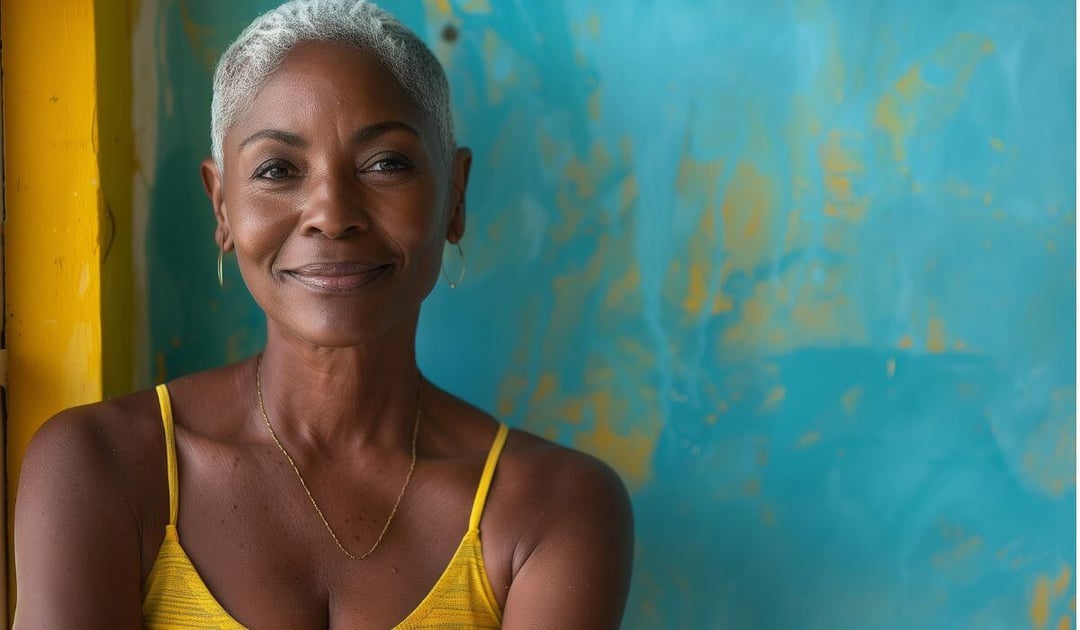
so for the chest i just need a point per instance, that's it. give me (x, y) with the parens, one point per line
(268, 557)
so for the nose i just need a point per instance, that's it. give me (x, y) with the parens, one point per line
(336, 207)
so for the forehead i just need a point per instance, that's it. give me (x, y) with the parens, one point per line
(323, 83)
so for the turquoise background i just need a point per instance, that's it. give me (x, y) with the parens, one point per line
(802, 271)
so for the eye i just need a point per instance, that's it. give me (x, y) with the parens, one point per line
(273, 169)
(388, 164)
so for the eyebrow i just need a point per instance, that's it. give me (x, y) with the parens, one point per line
(363, 135)
(374, 131)
(283, 137)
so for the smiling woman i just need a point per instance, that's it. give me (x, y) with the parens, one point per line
(325, 481)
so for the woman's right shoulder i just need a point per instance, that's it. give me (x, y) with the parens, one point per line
(91, 491)
(117, 445)
(108, 429)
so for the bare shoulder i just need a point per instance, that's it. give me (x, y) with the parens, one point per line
(80, 514)
(552, 472)
(109, 456)
(573, 549)
(561, 491)
(108, 441)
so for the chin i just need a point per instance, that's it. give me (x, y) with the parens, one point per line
(342, 329)
(331, 335)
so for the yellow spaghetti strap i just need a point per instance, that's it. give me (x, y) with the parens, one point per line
(170, 450)
(485, 477)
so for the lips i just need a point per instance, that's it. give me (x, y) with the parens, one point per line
(330, 277)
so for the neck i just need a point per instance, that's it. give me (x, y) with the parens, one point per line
(326, 399)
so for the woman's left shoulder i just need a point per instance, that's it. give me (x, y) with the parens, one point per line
(554, 489)
(564, 517)
(555, 472)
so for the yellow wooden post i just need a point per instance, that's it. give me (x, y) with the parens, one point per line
(67, 170)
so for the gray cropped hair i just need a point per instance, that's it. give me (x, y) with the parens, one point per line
(263, 45)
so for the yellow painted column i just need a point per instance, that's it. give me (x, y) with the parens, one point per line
(67, 170)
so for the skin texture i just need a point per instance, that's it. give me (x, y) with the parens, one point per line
(352, 176)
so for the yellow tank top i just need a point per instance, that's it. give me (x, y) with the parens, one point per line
(175, 597)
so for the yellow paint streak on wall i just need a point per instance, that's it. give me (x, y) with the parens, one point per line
(747, 213)
(1065, 623)
(947, 560)
(628, 194)
(696, 180)
(814, 316)
(1061, 584)
(997, 144)
(594, 105)
(585, 174)
(722, 303)
(808, 439)
(616, 422)
(630, 453)
(443, 6)
(696, 291)
(913, 102)
(1039, 613)
(696, 184)
(593, 25)
(774, 398)
(816, 313)
(1050, 450)
(575, 202)
(935, 336)
(889, 116)
(511, 388)
(494, 48)
(633, 349)
(851, 399)
(476, 6)
(624, 291)
(546, 386)
(701, 244)
(841, 163)
(890, 368)
(793, 232)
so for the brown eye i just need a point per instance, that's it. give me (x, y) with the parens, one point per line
(389, 164)
(273, 169)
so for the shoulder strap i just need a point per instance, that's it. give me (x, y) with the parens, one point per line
(170, 450)
(485, 477)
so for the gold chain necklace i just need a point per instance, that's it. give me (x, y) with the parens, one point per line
(397, 502)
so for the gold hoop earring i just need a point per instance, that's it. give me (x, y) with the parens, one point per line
(461, 275)
(220, 260)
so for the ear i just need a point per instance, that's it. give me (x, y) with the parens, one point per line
(459, 181)
(215, 190)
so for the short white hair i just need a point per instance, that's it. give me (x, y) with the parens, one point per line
(263, 45)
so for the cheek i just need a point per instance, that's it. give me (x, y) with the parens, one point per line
(259, 231)
(418, 226)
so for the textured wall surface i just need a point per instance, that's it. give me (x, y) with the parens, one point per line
(802, 271)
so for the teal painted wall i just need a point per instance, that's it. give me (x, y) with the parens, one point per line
(802, 271)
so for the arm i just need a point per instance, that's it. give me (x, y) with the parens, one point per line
(77, 541)
(577, 560)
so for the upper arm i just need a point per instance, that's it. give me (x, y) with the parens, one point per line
(77, 540)
(577, 572)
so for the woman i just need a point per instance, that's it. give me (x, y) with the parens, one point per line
(323, 483)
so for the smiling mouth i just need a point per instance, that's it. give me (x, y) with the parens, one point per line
(337, 277)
